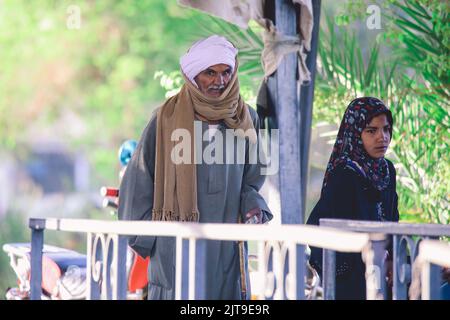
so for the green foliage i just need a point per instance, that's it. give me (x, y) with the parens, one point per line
(344, 72)
(248, 41)
(101, 73)
(171, 82)
(411, 85)
(423, 34)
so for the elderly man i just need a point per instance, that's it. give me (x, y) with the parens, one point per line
(155, 187)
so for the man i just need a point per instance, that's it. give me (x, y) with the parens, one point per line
(197, 191)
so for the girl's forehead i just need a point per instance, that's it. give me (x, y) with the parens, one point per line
(381, 118)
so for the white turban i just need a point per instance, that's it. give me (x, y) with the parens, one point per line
(206, 53)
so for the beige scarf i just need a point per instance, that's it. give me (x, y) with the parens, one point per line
(175, 196)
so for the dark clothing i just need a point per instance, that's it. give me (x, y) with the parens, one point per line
(349, 195)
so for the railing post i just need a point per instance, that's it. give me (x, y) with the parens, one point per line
(431, 279)
(185, 270)
(399, 261)
(300, 272)
(37, 227)
(329, 274)
(182, 269)
(121, 268)
(108, 261)
(178, 267)
(93, 286)
(374, 257)
(200, 269)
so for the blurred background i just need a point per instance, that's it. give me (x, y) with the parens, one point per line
(77, 78)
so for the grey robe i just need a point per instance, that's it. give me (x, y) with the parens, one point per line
(223, 192)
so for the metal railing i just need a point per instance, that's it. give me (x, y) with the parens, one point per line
(406, 242)
(426, 269)
(281, 254)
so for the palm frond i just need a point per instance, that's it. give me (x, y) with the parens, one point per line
(421, 139)
(248, 41)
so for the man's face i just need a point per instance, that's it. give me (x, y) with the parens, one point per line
(214, 80)
(376, 136)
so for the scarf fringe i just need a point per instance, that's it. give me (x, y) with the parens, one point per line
(157, 215)
(169, 215)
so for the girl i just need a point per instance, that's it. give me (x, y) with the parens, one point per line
(359, 184)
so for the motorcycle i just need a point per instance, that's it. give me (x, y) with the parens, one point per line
(64, 270)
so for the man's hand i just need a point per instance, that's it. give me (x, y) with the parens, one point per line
(254, 216)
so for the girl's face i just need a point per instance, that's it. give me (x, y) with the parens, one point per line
(376, 136)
